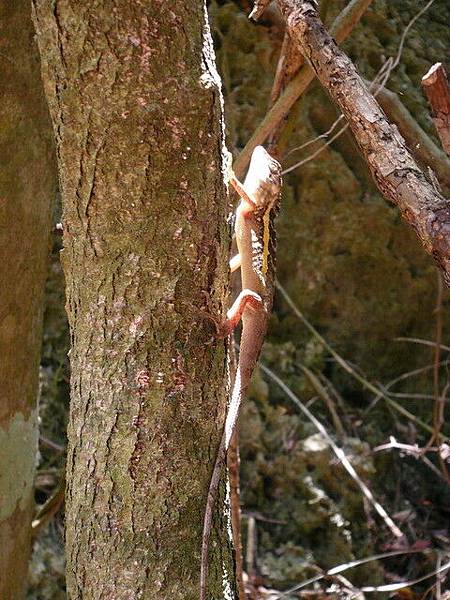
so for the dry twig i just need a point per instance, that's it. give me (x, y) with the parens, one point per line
(349, 369)
(396, 532)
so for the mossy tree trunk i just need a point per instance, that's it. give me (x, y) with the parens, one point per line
(27, 191)
(136, 106)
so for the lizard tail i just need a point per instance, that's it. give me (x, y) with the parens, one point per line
(230, 425)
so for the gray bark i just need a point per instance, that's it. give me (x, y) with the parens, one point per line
(27, 191)
(136, 107)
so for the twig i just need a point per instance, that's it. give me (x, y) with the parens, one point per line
(406, 31)
(277, 85)
(338, 452)
(318, 151)
(416, 452)
(345, 365)
(393, 587)
(345, 567)
(321, 390)
(259, 7)
(438, 579)
(48, 510)
(421, 341)
(437, 90)
(398, 379)
(50, 444)
(251, 547)
(407, 448)
(341, 28)
(418, 141)
(439, 404)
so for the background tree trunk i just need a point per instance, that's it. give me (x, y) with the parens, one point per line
(27, 191)
(135, 101)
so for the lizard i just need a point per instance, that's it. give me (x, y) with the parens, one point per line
(256, 243)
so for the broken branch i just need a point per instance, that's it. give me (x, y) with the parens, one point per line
(437, 90)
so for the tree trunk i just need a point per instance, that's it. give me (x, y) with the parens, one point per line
(136, 105)
(27, 191)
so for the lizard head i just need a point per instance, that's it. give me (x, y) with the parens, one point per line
(263, 181)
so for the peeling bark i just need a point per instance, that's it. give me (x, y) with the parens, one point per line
(27, 192)
(136, 107)
(396, 174)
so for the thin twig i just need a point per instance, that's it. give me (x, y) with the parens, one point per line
(439, 402)
(393, 587)
(321, 390)
(421, 341)
(345, 365)
(398, 379)
(48, 510)
(345, 567)
(50, 444)
(415, 451)
(338, 452)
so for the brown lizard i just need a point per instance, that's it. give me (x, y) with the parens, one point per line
(256, 243)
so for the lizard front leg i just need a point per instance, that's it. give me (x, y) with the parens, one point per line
(234, 315)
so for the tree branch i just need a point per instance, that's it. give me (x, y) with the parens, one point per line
(396, 174)
(341, 28)
(421, 145)
(437, 90)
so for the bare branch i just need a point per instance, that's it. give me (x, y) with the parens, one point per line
(258, 9)
(437, 90)
(396, 174)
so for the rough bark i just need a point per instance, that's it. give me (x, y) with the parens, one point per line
(420, 144)
(27, 191)
(396, 174)
(136, 106)
(437, 90)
